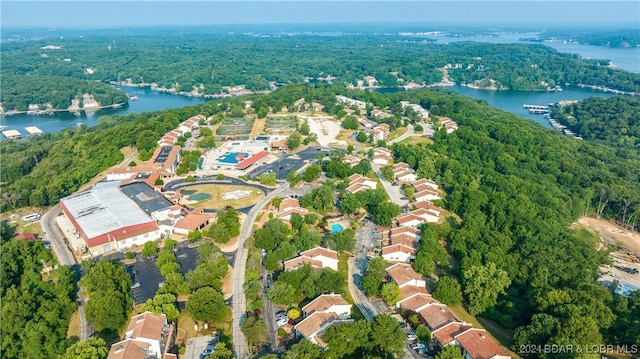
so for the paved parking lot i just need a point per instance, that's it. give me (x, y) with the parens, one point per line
(286, 163)
(195, 346)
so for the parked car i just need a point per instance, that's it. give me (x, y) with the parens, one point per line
(418, 346)
(282, 321)
(207, 351)
(411, 336)
(136, 285)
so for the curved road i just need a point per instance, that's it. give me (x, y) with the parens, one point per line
(239, 301)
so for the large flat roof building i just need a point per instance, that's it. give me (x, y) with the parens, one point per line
(107, 219)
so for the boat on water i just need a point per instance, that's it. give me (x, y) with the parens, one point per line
(132, 97)
(2, 128)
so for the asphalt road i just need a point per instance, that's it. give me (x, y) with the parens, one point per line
(395, 192)
(407, 134)
(56, 237)
(239, 305)
(357, 266)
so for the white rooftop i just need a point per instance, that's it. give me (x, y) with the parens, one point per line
(33, 130)
(102, 210)
(11, 134)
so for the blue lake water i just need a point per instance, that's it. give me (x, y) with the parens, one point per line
(512, 101)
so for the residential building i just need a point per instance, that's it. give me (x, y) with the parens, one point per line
(423, 184)
(328, 303)
(380, 132)
(403, 275)
(403, 172)
(398, 253)
(382, 156)
(313, 326)
(423, 113)
(416, 302)
(289, 206)
(351, 102)
(478, 344)
(317, 257)
(409, 291)
(380, 115)
(446, 334)
(148, 336)
(449, 124)
(436, 316)
(351, 160)
(358, 182)
(426, 195)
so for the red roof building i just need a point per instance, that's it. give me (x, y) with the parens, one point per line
(252, 160)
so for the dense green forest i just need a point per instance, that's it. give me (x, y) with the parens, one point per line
(616, 121)
(35, 308)
(516, 186)
(20, 91)
(216, 60)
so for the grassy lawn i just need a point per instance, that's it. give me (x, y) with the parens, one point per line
(396, 133)
(73, 332)
(186, 326)
(344, 135)
(343, 267)
(217, 191)
(416, 140)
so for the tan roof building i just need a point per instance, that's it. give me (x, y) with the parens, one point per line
(148, 334)
(436, 316)
(417, 302)
(317, 257)
(478, 344)
(404, 275)
(328, 303)
(446, 334)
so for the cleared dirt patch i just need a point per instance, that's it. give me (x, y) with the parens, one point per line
(613, 234)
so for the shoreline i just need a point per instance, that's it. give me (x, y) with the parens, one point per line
(51, 112)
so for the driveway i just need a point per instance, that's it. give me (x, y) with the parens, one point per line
(395, 192)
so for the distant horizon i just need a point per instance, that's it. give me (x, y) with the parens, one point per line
(87, 15)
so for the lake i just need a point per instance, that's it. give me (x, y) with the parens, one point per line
(512, 101)
(147, 101)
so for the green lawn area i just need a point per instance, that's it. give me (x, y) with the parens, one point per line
(396, 133)
(217, 191)
(416, 140)
(343, 267)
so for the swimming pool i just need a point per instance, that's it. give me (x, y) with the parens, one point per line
(233, 157)
(336, 227)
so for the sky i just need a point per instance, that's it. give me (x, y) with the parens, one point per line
(118, 13)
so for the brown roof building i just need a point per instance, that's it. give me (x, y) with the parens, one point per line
(436, 316)
(477, 344)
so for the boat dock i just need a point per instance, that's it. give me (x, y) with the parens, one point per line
(11, 134)
(34, 131)
(536, 109)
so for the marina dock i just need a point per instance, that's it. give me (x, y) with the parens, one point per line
(34, 131)
(11, 134)
(536, 109)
